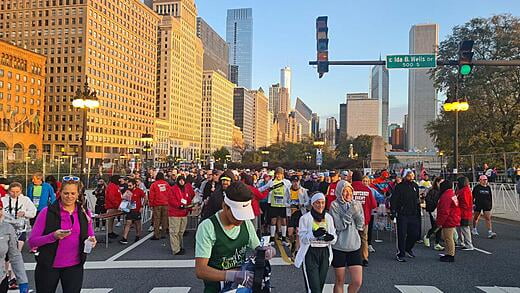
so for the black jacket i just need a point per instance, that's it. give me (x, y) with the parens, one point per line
(405, 199)
(214, 203)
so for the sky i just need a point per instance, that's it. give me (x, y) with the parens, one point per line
(284, 35)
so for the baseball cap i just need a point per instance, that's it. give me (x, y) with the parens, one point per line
(344, 173)
(238, 197)
(332, 173)
(321, 175)
(227, 175)
(295, 178)
(482, 177)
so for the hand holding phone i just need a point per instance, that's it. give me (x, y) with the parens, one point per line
(61, 233)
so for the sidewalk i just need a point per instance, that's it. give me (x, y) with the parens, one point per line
(511, 216)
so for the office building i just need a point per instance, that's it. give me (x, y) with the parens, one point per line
(422, 95)
(343, 120)
(392, 127)
(179, 82)
(379, 89)
(363, 115)
(217, 112)
(216, 50)
(330, 132)
(22, 87)
(233, 73)
(285, 82)
(262, 123)
(111, 48)
(239, 36)
(397, 138)
(315, 126)
(244, 114)
(303, 116)
(274, 99)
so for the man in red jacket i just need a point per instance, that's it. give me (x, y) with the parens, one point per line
(179, 204)
(448, 217)
(158, 199)
(112, 202)
(364, 195)
(331, 191)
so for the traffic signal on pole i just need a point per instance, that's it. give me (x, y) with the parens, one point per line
(322, 45)
(466, 57)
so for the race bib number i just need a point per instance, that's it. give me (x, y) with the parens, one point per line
(278, 200)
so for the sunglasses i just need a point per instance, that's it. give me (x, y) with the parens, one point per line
(70, 178)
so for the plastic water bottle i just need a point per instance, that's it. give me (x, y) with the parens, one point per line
(88, 246)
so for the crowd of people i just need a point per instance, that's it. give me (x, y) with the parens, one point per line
(324, 218)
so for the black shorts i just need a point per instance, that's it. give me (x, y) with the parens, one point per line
(294, 221)
(480, 207)
(133, 216)
(22, 237)
(342, 259)
(275, 212)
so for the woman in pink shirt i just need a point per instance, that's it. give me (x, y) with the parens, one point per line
(63, 235)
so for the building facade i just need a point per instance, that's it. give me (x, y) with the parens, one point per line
(244, 114)
(239, 36)
(397, 138)
(274, 99)
(422, 95)
(303, 116)
(379, 89)
(179, 79)
(343, 120)
(216, 50)
(262, 124)
(22, 87)
(285, 82)
(330, 132)
(112, 46)
(392, 127)
(363, 115)
(315, 126)
(217, 113)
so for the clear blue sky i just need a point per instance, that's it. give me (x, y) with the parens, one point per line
(284, 34)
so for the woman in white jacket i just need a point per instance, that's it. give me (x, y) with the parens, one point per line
(317, 235)
(18, 209)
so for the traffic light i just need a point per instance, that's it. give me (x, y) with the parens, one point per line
(466, 57)
(322, 46)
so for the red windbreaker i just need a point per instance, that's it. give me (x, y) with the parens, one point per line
(159, 193)
(331, 194)
(112, 196)
(257, 196)
(448, 211)
(465, 198)
(364, 195)
(180, 197)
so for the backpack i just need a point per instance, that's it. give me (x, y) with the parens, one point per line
(432, 198)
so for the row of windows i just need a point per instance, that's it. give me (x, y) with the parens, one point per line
(15, 4)
(17, 99)
(19, 77)
(19, 88)
(39, 23)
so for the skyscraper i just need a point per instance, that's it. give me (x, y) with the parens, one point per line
(117, 56)
(303, 116)
(239, 36)
(343, 120)
(261, 121)
(363, 115)
(216, 50)
(330, 132)
(422, 95)
(379, 89)
(315, 126)
(285, 82)
(244, 114)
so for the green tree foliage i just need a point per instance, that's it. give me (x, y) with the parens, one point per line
(362, 146)
(220, 154)
(492, 123)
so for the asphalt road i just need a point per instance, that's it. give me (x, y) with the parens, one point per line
(150, 266)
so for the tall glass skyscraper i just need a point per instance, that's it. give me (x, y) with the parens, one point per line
(239, 36)
(379, 89)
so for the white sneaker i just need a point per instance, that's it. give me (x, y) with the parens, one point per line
(118, 224)
(474, 231)
(371, 249)
(96, 229)
(492, 235)
(150, 229)
(439, 247)
(103, 228)
(426, 241)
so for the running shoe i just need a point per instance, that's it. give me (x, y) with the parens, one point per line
(400, 259)
(285, 242)
(447, 258)
(474, 231)
(118, 224)
(492, 235)
(12, 284)
(123, 241)
(150, 229)
(426, 241)
(371, 249)
(271, 240)
(410, 254)
(439, 247)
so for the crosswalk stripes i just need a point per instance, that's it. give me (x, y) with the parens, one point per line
(97, 290)
(171, 290)
(417, 289)
(496, 289)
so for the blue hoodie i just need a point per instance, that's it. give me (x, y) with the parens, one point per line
(47, 197)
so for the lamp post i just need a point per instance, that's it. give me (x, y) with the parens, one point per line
(147, 138)
(265, 162)
(84, 100)
(456, 106)
(319, 157)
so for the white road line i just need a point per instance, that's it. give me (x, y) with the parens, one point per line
(329, 288)
(496, 289)
(171, 290)
(483, 251)
(129, 248)
(98, 290)
(146, 264)
(417, 289)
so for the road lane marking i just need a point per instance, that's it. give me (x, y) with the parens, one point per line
(496, 289)
(147, 264)
(171, 290)
(483, 251)
(282, 252)
(129, 248)
(97, 290)
(329, 288)
(417, 289)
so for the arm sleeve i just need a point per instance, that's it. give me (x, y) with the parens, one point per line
(15, 257)
(205, 239)
(30, 211)
(266, 186)
(37, 238)
(358, 217)
(339, 224)
(90, 229)
(442, 210)
(254, 242)
(332, 230)
(304, 231)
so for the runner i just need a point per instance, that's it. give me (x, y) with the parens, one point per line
(483, 200)
(363, 195)
(223, 240)
(348, 221)
(317, 235)
(134, 216)
(278, 194)
(298, 203)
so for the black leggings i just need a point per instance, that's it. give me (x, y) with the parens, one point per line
(47, 279)
(432, 230)
(370, 229)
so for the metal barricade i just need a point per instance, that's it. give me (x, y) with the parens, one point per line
(505, 197)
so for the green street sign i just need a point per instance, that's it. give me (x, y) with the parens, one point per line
(411, 61)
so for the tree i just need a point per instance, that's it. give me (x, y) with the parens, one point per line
(221, 154)
(492, 123)
(362, 146)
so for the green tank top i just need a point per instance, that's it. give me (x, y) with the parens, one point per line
(226, 253)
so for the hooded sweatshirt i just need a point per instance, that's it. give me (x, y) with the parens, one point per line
(344, 215)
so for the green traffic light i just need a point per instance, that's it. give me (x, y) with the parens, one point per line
(465, 69)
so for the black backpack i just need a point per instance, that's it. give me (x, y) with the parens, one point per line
(432, 198)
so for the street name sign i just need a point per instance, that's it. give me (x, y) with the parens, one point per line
(411, 61)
